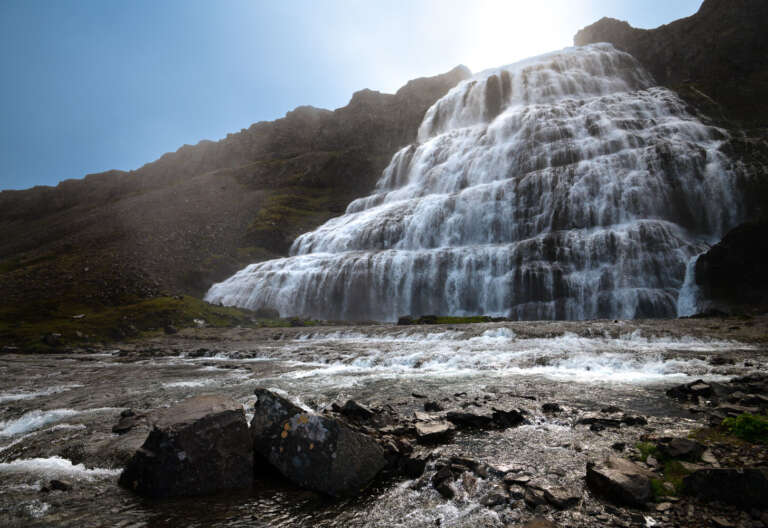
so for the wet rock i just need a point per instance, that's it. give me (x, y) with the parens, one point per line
(633, 420)
(170, 330)
(432, 406)
(551, 408)
(620, 481)
(442, 481)
(405, 320)
(619, 446)
(561, 498)
(413, 466)
(512, 478)
(356, 410)
(600, 421)
(681, 448)
(495, 496)
(534, 497)
(60, 485)
(540, 522)
(722, 522)
(52, 339)
(128, 420)
(690, 391)
(434, 432)
(746, 488)
(611, 409)
(196, 447)
(314, 451)
(507, 418)
(480, 419)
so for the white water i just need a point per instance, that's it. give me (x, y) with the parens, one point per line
(15, 396)
(566, 186)
(346, 359)
(34, 420)
(55, 467)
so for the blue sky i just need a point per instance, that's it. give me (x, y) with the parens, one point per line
(89, 86)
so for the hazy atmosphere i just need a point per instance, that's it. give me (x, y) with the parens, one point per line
(90, 86)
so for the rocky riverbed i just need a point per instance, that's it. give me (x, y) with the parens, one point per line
(583, 391)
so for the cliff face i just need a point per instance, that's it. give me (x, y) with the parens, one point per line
(716, 58)
(196, 215)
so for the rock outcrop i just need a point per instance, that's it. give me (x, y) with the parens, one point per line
(313, 451)
(715, 58)
(731, 274)
(196, 447)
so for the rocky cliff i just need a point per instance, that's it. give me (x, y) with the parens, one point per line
(716, 57)
(196, 215)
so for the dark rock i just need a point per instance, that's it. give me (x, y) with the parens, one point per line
(611, 409)
(551, 408)
(561, 498)
(540, 522)
(634, 420)
(170, 329)
(494, 496)
(314, 451)
(60, 485)
(442, 481)
(534, 497)
(196, 447)
(432, 406)
(732, 272)
(480, 419)
(593, 419)
(507, 418)
(434, 432)
(52, 339)
(357, 410)
(405, 320)
(681, 448)
(427, 319)
(619, 446)
(745, 488)
(128, 422)
(620, 481)
(413, 466)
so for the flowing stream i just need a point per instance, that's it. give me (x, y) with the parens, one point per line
(57, 413)
(565, 186)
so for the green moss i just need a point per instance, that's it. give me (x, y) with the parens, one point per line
(12, 264)
(674, 473)
(647, 449)
(749, 427)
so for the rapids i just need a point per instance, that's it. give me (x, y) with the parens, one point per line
(565, 186)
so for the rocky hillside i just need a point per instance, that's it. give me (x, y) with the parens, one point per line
(196, 215)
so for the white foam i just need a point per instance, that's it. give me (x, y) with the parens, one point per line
(55, 466)
(15, 396)
(632, 358)
(33, 420)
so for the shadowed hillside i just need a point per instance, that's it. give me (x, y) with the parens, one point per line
(194, 216)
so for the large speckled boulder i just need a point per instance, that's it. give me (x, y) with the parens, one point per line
(196, 447)
(314, 451)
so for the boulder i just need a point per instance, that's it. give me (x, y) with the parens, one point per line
(620, 481)
(196, 447)
(681, 448)
(746, 487)
(313, 451)
(561, 498)
(433, 432)
(353, 409)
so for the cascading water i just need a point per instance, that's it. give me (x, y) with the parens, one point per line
(566, 186)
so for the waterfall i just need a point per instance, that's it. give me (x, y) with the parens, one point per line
(565, 186)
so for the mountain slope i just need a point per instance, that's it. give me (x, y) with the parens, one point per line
(196, 215)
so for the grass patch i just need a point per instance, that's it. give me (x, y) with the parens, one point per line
(749, 427)
(647, 449)
(27, 330)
